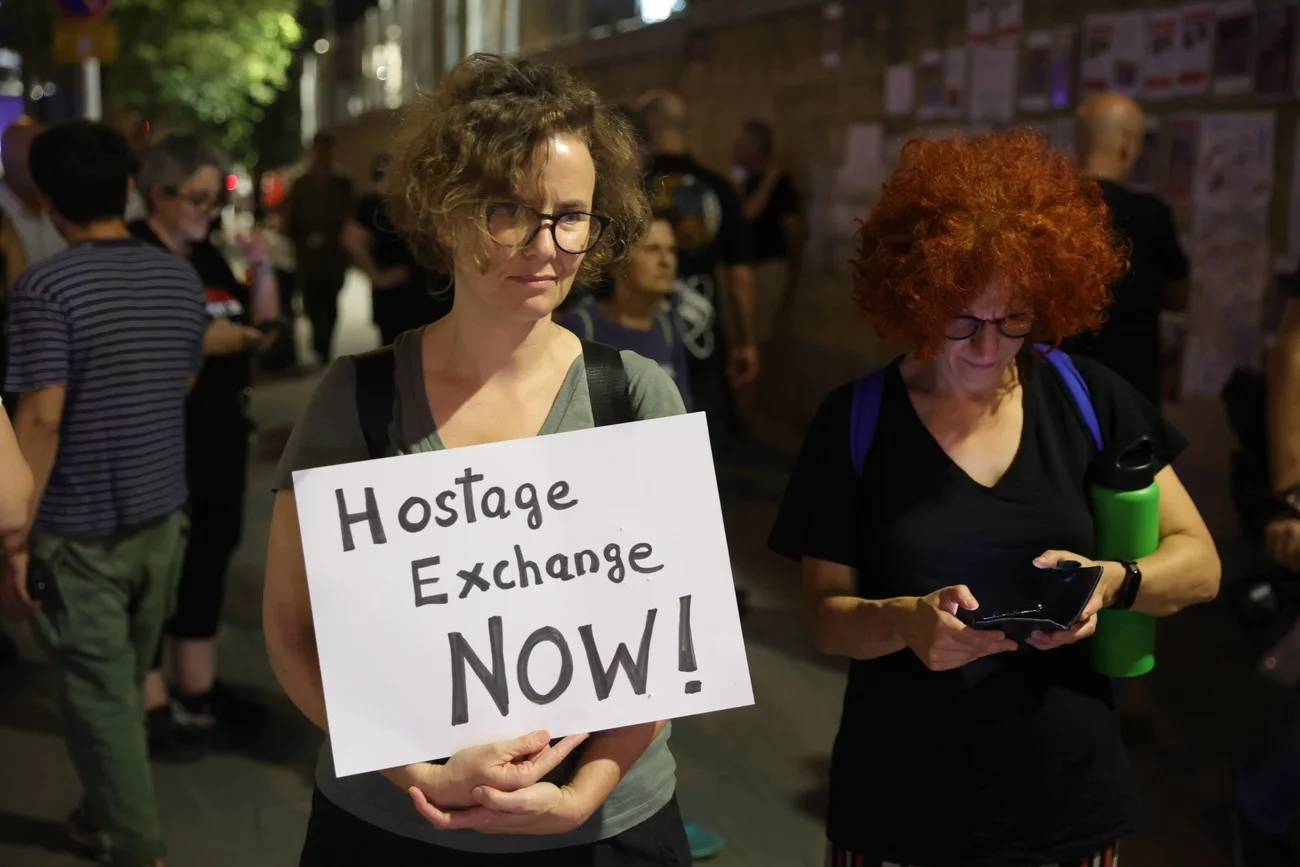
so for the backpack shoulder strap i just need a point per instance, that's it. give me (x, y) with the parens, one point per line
(376, 390)
(607, 384)
(1078, 388)
(865, 412)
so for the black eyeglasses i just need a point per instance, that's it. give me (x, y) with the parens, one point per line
(511, 224)
(1015, 326)
(204, 201)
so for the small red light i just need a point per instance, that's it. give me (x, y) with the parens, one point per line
(231, 183)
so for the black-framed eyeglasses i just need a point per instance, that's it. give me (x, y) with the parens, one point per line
(511, 224)
(1015, 326)
(204, 201)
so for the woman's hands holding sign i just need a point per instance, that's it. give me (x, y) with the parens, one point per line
(497, 788)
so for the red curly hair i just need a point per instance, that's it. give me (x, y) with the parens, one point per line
(957, 214)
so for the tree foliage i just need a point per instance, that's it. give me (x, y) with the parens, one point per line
(206, 66)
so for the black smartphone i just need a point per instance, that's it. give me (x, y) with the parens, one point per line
(41, 586)
(1062, 595)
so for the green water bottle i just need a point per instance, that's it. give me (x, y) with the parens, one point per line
(1126, 509)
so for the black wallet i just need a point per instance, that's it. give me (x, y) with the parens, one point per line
(1062, 594)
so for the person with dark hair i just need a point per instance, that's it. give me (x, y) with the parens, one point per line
(107, 337)
(518, 181)
(180, 181)
(403, 294)
(956, 480)
(772, 207)
(319, 206)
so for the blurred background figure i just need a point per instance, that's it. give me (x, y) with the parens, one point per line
(404, 295)
(320, 205)
(775, 214)
(26, 233)
(1110, 128)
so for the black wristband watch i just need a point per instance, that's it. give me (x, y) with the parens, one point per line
(1127, 593)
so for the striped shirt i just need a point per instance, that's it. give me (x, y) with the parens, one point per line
(120, 325)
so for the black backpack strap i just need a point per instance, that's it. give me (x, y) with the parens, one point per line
(375, 393)
(607, 384)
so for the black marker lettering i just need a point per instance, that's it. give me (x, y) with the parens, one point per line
(496, 575)
(404, 515)
(615, 558)
(370, 516)
(526, 567)
(441, 500)
(530, 503)
(639, 552)
(686, 644)
(494, 680)
(498, 510)
(558, 567)
(421, 599)
(472, 579)
(603, 678)
(582, 558)
(466, 483)
(558, 490)
(551, 634)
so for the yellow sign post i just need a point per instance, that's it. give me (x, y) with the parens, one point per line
(80, 38)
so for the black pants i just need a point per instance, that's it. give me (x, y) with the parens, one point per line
(336, 838)
(320, 298)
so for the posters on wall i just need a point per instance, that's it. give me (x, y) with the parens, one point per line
(900, 87)
(1275, 25)
(1160, 69)
(1234, 51)
(1112, 53)
(1197, 41)
(956, 76)
(1231, 261)
(1148, 171)
(930, 79)
(1008, 19)
(466, 596)
(979, 21)
(1181, 147)
(993, 84)
(1047, 75)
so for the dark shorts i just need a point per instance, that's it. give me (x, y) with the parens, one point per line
(336, 838)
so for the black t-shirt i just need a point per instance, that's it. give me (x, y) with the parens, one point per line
(711, 232)
(1129, 341)
(389, 249)
(216, 430)
(1015, 758)
(768, 228)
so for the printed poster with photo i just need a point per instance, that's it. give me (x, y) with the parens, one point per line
(1197, 37)
(956, 75)
(1047, 75)
(1275, 31)
(1112, 52)
(1234, 48)
(1160, 69)
(1148, 172)
(930, 85)
(1008, 19)
(979, 27)
(1181, 146)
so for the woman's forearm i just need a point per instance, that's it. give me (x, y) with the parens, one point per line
(860, 628)
(265, 294)
(1183, 571)
(297, 668)
(606, 758)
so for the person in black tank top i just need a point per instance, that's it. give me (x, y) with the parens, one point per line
(961, 747)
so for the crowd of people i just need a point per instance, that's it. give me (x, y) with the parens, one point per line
(519, 224)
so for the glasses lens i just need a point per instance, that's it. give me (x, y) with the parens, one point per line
(510, 224)
(1017, 325)
(577, 232)
(961, 327)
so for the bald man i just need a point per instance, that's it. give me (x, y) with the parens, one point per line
(1110, 131)
(26, 234)
(715, 256)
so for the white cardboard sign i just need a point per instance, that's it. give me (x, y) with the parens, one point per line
(573, 582)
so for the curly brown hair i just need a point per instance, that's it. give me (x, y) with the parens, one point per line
(957, 214)
(476, 139)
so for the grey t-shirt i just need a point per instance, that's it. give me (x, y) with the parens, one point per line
(329, 432)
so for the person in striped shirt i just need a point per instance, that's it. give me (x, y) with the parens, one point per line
(106, 338)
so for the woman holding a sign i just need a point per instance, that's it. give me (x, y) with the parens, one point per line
(518, 180)
(941, 513)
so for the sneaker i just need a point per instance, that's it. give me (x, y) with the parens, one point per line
(1252, 847)
(170, 741)
(705, 843)
(88, 835)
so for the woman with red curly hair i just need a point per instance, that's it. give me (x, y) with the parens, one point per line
(961, 747)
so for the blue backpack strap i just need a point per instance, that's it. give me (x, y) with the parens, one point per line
(1078, 388)
(865, 412)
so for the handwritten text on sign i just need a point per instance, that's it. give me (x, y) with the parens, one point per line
(574, 582)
